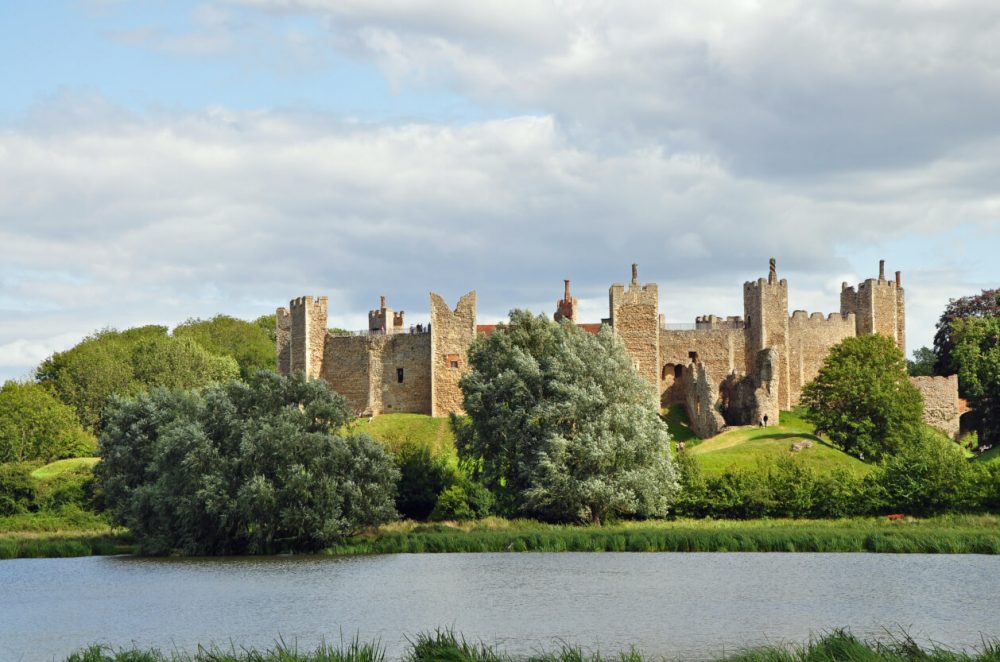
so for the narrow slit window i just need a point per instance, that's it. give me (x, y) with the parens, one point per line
(399, 375)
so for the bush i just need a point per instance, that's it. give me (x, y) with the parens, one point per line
(422, 478)
(18, 492)
(36, 426)
(929, 475)
(242, 468)
(452, 504)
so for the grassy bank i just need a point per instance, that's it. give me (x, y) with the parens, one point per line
(445, 646)
(69, 533)
(946, 534)
(746, 447)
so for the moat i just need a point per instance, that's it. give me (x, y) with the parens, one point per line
(683, 606)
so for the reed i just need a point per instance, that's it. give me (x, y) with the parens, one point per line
(948, 535)
(446, 646)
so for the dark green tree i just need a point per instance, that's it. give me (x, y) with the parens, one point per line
(241, 468)
(976, 356)
(248, 343)
(422, 478)
(34, 425)
(863, 399)
(561, 426)
(923, 362)
(984, 304)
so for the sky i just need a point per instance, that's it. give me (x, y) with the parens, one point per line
(161, 161)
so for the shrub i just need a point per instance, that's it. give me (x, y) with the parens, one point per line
(18, 492)
(422, 478)
(242, 468)
(453, 503)
(929, 475)
(34, 425)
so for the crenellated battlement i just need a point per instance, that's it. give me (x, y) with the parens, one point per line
(386, 369)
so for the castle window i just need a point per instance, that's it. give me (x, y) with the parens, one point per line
(399, 375)
(678, 371)
(452, 360)
(693, 356)
(453, 364)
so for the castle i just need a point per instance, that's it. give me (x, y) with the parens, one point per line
(727, 371)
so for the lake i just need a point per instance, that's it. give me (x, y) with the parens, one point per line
(688, 606)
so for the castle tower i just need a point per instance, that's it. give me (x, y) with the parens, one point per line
(566, 307)
(385, 320)
(635, 317)
(879, 306)
(452, 332)
(765, 309)
(302, 331)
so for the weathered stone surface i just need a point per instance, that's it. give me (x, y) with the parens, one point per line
(941, 404)
(740, 367)
(452, 332)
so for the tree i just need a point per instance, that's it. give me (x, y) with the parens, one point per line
(241, 468)
(984, 304)
(125, 363)
(561, 426)
(248, 343)
(862, 398)
(422, 478)
(922, 365)
(976, 356)
(34, 425)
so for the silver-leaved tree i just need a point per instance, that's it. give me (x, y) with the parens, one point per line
(561, 426)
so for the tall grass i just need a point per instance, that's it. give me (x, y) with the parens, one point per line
(445, 646)
(13, 547)
(949, 535)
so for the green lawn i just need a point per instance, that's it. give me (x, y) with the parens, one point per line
(59, 467)
(992, 455)
(748, 446)
(680, 428)
(394, 430)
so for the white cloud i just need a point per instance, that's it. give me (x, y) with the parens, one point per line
(155, 219)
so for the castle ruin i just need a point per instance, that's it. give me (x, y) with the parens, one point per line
(724, 371)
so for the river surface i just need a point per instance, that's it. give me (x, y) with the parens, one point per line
(681, 606)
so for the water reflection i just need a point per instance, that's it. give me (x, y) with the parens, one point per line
(690, 606)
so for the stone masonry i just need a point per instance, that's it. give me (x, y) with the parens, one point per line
(723, 370)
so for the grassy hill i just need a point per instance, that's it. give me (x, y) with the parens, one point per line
(394, 430)
(747, 446)
(60, 467)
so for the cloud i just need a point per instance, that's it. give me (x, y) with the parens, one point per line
(786, 89)
(112, 218)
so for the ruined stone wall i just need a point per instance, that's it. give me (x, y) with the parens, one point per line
(721, 349)
(307, 335)
(765, 310)
(347, 368)
(810, 338)
(747, 399)
(452, 332)
(283, 323)
(701, 400)
(941, 406)
(363, 369)
(412, 354)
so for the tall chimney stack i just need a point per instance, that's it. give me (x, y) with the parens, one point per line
(566, 296)
(898, 278)
(635, 272)
(881, 270)
(381, 301)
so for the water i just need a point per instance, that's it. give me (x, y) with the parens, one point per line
(688, 606)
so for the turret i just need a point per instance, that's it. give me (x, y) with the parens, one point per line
(301, 336)
(566, 307)
(765, 311)
(879, 306)
(385, 320)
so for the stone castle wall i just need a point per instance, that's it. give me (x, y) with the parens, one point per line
(941, 408)
(724, 370)
(722, 350)
(452, 333)
(810, 339)
(364, 369)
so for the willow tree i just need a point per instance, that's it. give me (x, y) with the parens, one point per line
(561, 426)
